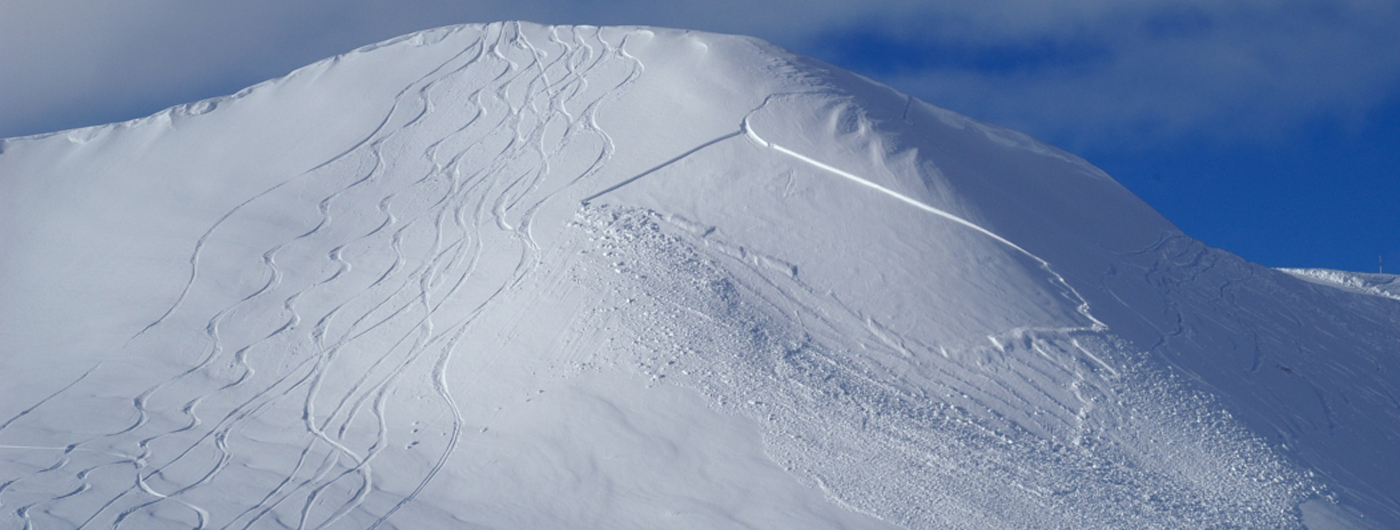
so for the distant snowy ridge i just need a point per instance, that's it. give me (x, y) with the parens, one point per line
(1385, 285)
(520, 276)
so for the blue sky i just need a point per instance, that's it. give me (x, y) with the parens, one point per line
(1270, 128)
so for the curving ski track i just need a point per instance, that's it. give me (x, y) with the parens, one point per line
(519, 104)
(377, 284)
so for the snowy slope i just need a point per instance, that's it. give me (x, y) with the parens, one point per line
(517, 276)
(1383, 285)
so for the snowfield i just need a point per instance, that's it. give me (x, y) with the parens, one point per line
(1383, 285)
(522, 276)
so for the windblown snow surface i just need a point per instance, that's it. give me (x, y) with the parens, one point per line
(518, 276)
(1384, 285)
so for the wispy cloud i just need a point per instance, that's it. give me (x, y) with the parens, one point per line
(1085, 71)
(1139, 71)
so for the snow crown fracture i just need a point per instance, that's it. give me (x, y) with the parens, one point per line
(523, 276)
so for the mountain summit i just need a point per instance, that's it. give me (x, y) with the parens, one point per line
(523, 276)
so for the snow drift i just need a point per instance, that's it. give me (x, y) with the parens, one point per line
(518, 276)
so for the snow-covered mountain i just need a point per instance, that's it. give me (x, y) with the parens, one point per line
(518, 276)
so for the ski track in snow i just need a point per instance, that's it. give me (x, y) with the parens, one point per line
(526, 107)
(1068, 412)
(745, 129)
(1082, 305)
(1039, 427)
(1048, 428)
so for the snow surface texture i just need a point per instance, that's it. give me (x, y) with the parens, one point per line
(518, 276)
(1385, 285)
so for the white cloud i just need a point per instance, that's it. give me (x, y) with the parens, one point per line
(1241, 69)
(1155, 69)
